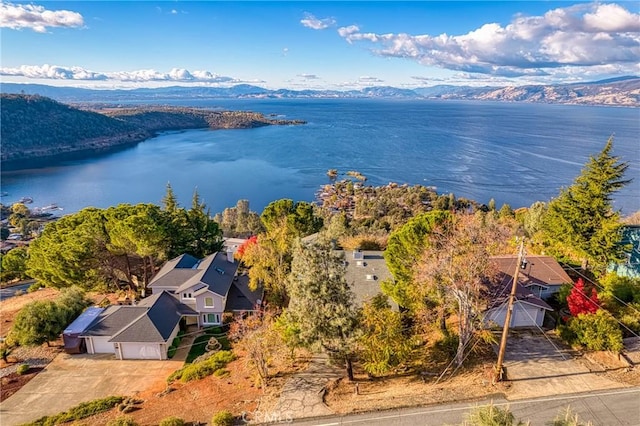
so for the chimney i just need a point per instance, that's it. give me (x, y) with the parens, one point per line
(230, 256)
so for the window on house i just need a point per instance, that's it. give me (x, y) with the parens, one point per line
(187, 296)
(211, 318)
(208, 302)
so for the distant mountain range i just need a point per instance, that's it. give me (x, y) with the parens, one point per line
(622, 91)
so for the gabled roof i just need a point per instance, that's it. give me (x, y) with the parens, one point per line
(113, 319)
(215, 272)
(241, 297)
(152, 320)
(175, 272)
(501, 291)
(541, 270)
(83, 321)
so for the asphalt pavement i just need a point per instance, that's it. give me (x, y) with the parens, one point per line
(605, 408)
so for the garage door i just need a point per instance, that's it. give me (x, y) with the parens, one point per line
(140, 350)
(101, 345)
(522, 317)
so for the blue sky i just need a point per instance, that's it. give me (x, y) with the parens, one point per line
(319, 45)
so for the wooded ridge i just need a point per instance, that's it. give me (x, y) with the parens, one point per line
(36, 127)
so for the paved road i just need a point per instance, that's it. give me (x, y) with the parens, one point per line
(8, 292)
(605, 408)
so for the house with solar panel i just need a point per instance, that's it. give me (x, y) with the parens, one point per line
(185, 292)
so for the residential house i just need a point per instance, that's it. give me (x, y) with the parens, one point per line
(539, 278)
(631, 240)
(366, 270)
(185, 291)
(142, 331)
(209, 286)
(528, 309)
(541, 275)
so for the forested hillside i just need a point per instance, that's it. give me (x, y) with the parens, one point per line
(35, 126)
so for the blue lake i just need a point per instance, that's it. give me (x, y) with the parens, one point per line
(514, 153)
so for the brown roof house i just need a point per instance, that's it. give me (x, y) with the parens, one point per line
(539, 278)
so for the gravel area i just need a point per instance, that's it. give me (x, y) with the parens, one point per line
(38, 356)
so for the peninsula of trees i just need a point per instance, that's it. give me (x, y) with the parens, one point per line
(39, 128)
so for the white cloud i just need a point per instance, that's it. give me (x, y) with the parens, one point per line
(285, 51)
(37, 18)
(174, 12)
(369, 79)
(314, 23)
(582, 36)
(54, 72)
(346, 32)
(308, 76)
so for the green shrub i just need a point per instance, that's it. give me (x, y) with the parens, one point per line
(202, 369)
(568, 418)
(22, 369)
(80, 411)
(223, 418)
(171, 352)
(172, 421)
(490, 415)
(34, 287)
(597, 332)
(620, 290)
(448, 344)
(122, 421)
(630, 319)
(222, 372)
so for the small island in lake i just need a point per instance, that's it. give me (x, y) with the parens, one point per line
(36, 129)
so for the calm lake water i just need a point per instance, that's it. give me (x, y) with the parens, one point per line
(514, 153)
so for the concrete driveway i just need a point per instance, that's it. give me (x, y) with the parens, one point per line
(71, 379)
(538, 366)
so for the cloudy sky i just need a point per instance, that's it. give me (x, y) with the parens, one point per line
(318, 45)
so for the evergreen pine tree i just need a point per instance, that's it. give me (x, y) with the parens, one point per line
(322, 303)
(581, 223)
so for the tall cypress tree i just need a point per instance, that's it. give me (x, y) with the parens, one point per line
(581, 223)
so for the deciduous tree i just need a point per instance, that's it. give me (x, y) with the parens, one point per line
(582, 301)
(383, 344)
(258, 337)
(38, 322)
(456, 263)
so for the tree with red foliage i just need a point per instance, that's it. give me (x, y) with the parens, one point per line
(252, 240)
(579, 302)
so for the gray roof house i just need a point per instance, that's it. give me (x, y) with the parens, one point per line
(209, 286)
(366, 270)
(142, 331)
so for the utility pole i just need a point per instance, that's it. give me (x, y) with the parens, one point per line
(507, 319)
